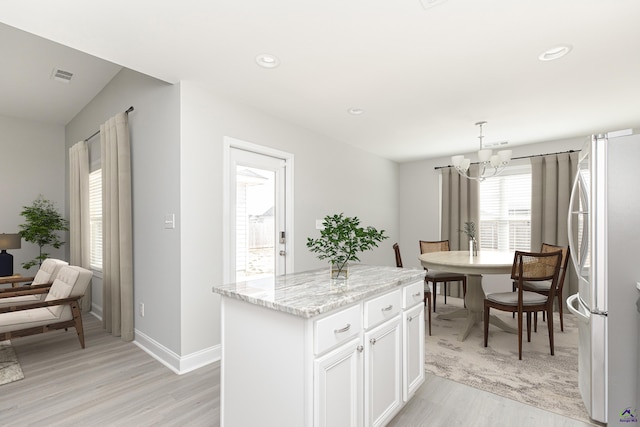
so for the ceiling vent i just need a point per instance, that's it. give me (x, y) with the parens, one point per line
(61, 75)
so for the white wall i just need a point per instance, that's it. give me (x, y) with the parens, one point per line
(155, 151)
(177, 135)
(33, 159)
(419, 208)
(329, 177)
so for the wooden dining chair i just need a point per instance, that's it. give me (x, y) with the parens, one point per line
(529, 267)
(427, 291)
(443, 277)
(543, 287)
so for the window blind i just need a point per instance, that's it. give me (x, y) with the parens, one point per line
(95, 218)
(505, 210)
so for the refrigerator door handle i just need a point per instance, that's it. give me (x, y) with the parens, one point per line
(573, 243)
(573, 301)
(578, 254)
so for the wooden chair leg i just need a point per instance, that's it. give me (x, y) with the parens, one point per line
(427, 307)
(77, 318)
(486, 325)
(519, 335)
(464, 292)
(445, 291)
(528, 326)
(560, 312)
(535, 322)
(434, 295)
(550, 325)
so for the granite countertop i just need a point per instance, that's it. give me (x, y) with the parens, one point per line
(310, 293)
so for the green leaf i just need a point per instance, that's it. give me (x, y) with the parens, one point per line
(342, 239)
(42, 221)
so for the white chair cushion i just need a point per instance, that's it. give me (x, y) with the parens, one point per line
(543, 285)
(71, 281)
(438, 275)
(21, 300)
(511, 298)
(17, 320)
(48, 271)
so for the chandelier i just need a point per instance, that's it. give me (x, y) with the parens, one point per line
(490, 164)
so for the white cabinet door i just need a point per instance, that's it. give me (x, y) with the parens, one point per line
(338, 387)
(382, 372)
(412, 350)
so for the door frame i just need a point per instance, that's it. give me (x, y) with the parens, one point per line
(228, 144)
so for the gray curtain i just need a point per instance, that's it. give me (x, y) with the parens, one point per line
(79, 228)
(551, 181)
(117, 228)
(460, 204)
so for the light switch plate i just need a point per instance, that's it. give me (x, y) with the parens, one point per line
(170, 221)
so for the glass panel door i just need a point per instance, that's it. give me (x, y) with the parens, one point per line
(257, 216)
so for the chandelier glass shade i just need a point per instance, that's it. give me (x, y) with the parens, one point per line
(489, 164)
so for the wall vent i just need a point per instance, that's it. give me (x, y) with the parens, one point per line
(61, 75)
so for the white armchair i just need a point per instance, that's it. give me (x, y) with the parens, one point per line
(42, 280)
(60, 308)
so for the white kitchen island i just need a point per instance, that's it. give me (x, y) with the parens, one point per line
(304, 350)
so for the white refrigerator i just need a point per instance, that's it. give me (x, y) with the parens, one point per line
(604, 236)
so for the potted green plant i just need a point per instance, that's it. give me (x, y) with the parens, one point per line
(42, 222)
(341, 240)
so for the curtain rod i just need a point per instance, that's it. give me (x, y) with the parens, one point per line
(128, 110)
(517, 158)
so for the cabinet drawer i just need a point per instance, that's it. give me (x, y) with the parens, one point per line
(382, 308)
(337, 328)
(413, 294)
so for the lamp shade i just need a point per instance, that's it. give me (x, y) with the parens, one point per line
(10, 241)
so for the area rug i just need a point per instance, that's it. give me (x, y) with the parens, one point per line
(539, 379)
(10, 369)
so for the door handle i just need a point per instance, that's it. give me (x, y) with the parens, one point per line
(283, 253)
(574, 301)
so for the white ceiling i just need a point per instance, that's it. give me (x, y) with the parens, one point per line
(27, 89)
(424, 76)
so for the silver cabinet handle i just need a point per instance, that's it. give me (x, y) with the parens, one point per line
(417, 294)
(410, 318)
(388, 308)
(372, 341)
(345, 329)
(360, 348)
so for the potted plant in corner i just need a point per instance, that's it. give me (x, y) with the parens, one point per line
(341, 240)
(42, 221)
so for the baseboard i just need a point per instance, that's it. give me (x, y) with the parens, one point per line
(178, 364)
(96, 310)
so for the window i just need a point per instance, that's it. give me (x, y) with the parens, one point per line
(505, 210)
(95, 218)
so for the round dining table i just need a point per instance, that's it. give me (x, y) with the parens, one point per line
(473, 266)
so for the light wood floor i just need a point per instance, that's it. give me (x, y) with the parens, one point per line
(112, 383)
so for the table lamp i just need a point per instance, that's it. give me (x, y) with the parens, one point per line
(8, 241)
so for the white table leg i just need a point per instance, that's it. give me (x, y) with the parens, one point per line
(475, 309)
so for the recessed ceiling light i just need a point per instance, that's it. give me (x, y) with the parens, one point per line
(355, 111)
(556, 52)
(267, 61)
